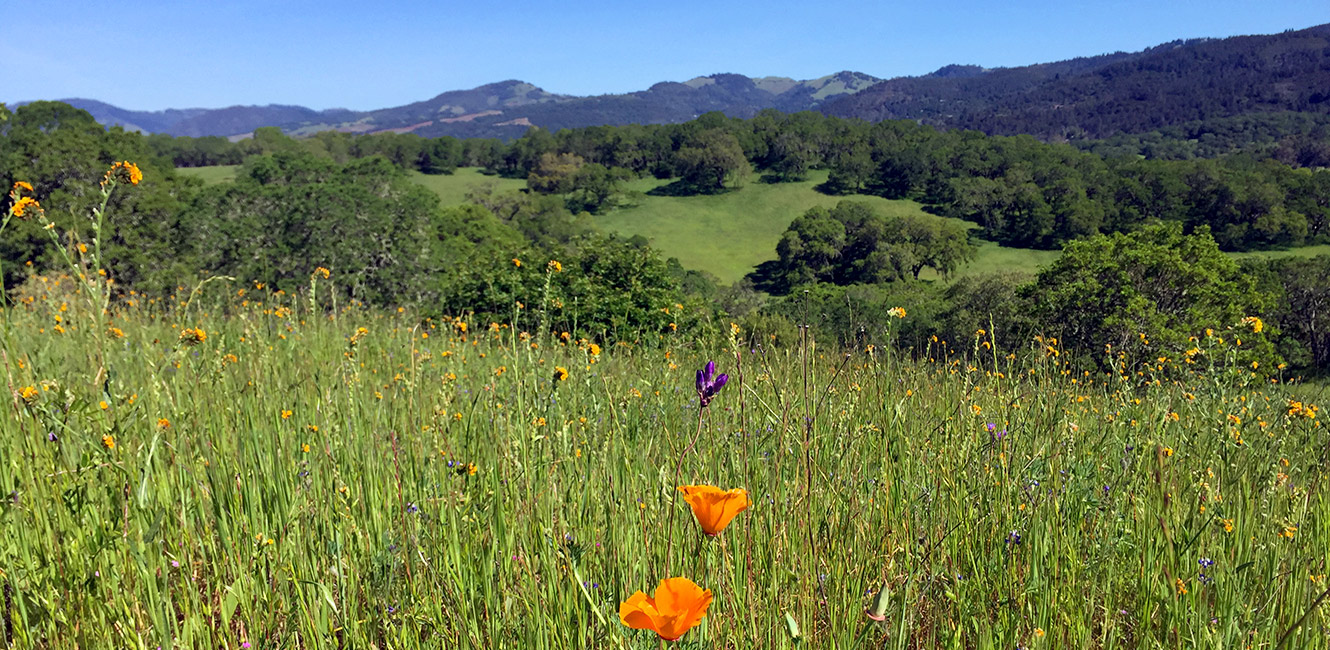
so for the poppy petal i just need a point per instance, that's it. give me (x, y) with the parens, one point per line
(638, 612)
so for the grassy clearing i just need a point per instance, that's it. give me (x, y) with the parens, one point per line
(292, 481)
(452, 188)
(730, 234)
(211, 175)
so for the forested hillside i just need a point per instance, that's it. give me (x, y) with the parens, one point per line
(1171, 84)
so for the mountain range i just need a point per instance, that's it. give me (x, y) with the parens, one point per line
(1088, 97)
(505, 109)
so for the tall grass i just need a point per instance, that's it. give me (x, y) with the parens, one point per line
(293, 482)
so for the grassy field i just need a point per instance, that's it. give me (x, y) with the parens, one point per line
(288, 479)
(729, 234)
(452, 188)
(211, 175)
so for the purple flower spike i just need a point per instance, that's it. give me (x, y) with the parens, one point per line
(708, 385)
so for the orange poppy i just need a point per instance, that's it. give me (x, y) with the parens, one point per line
(678, 606)
(714, 507)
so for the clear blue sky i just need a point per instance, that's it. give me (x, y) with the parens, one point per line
(154, 54)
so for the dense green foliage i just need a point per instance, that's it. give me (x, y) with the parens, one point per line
(342, 202)
(853, 244)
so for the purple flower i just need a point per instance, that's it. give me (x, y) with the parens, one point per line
(708, 385)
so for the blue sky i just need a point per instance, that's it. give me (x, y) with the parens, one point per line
(149, 55)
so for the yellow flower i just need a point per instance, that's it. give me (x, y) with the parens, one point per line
(1254, 323)
(324, 272)
(555, 266)
(163, 423)
(898, 312)
(193, 336)
(22, 185)
(23, 205)
(108, 441)
(1181, 587)
(594, 349)
(29, 394)
(125, 172)
(116, 333)
(304, 448)
(560, 373)
(286, 413)
(103, 405)
(1039, 632)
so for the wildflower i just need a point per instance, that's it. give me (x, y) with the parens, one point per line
(1181, 587)
(555, 266)
(115, 333)
(21, 185)
(124, 172)
(1228, 525)
(517, 262)
(1254, 323)
(286, 414)
(29, 394)
(193, 336)
(594, 350)
(560, 373)
(23, 205)
(708, 385)
(1039, 632)
(108, 441)
(898, 312)
(324, 272)
(103, 405)
(1014, 538)
(714, 507)
(163, 423)
(678, 605)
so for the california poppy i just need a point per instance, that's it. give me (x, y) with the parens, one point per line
(677, 607)
(714, 507)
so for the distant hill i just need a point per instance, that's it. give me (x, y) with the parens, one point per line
(1101, 96)
(504, 109)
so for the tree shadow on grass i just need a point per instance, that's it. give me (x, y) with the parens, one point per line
(683, 188)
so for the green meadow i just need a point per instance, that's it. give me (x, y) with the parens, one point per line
(730, 233)
(236, 468)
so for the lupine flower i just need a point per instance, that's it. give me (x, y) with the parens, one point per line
(678, 605)
(714, 507)
(708, 385)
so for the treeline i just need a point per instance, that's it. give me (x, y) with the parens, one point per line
(1023, 192)
(527, 258)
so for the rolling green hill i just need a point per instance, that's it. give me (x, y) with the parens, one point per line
(729, 234)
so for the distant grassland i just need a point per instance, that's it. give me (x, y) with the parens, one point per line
(729, 234)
